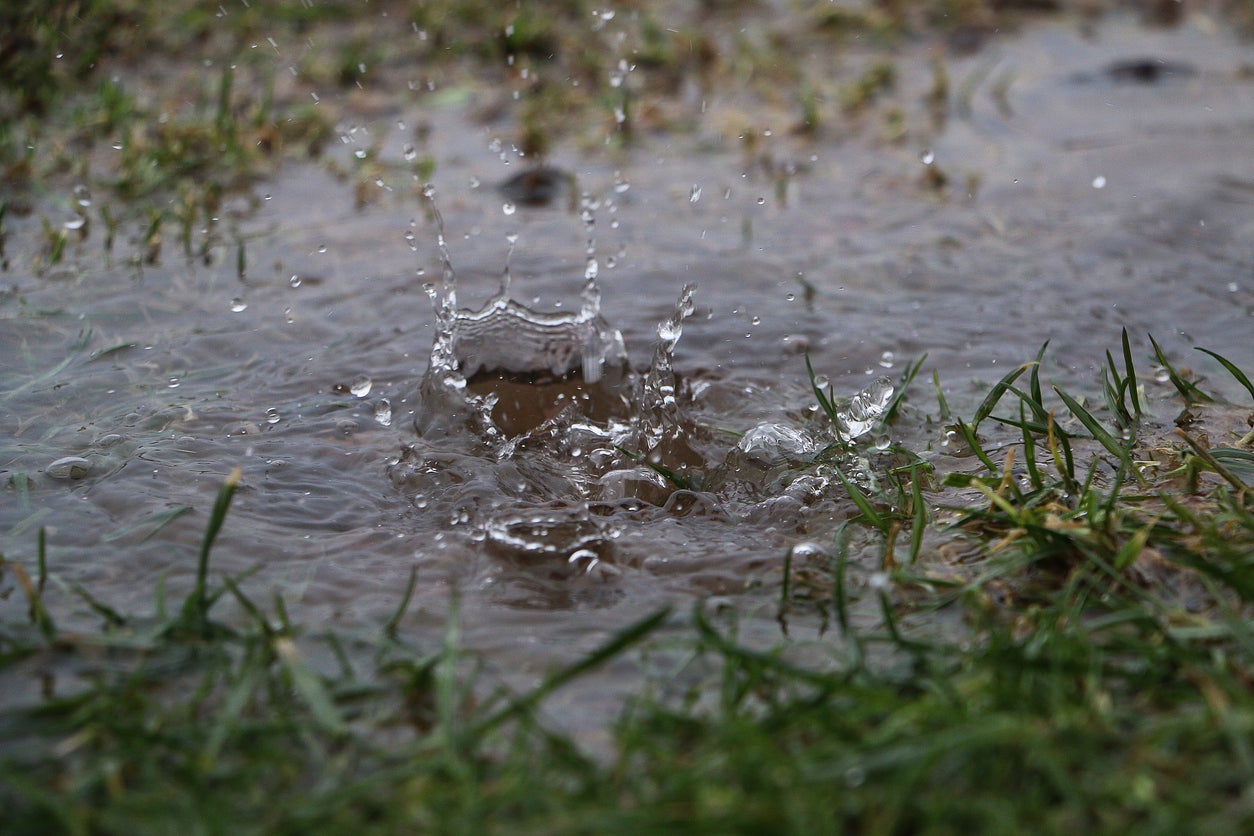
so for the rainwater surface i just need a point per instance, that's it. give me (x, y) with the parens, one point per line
(1080, 181)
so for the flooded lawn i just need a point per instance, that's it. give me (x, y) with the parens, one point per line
(1057, 183)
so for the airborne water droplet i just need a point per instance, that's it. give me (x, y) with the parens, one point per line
(383, 412)
(1099, 182)
(508, 208)
(294, 281)
(928, 156)
(238, 305)
(361, 386)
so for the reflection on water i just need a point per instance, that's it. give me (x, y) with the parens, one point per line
(568, 464)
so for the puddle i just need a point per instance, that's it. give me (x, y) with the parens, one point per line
(515, 444)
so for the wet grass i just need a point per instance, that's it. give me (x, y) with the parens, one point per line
(1094, 568)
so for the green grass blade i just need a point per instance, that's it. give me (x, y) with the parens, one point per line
(1116, 447)
(863, 502)
(157, 522)
(1187, 389)
(1232, 370)
(613, 647)
(1130, 375)
(995, 394)
(197, 606)
(390, 627)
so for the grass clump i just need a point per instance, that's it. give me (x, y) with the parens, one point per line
(1066, 647)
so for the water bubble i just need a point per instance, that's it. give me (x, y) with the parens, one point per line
(238, 305)
(294, 281)
(361, 386)
(68, 467)
(757, 320)
(1099, 182)
(886, 359)
(272, 416)
(927, 157)
(761, 201)
(173, 383)
(508, 208)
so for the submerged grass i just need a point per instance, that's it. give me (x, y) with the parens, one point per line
(1096, 677)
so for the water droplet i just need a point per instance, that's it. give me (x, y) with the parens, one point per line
(886, 359)
(383, 412)
(322, 248)
(928, 156)
(238, 305)
(75, 223)
(695, 194)
(272, 416)
(409, 239)
(294, 281)
(82, 195)
(756, 320)
(361, 386)
(620, 183)
(410, 153)
(761, 201)
(173, 383)
(1099, 182)
(508, 208)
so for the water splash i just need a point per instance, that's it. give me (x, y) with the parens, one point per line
(534, 430)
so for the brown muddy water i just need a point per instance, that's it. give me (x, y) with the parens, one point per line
(1082, 180)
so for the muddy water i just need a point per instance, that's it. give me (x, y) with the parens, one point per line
(1064, 196)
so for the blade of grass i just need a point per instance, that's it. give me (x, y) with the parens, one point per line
(310, 686)
(994, 395)
(784, 591)
(1113, 445)
(863, 502)
(196, 608)
(827, 404)
(1130, 375)
(613, 647)
(158, 521)
(1232, 369)
(390, 627)
(1187, 389)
